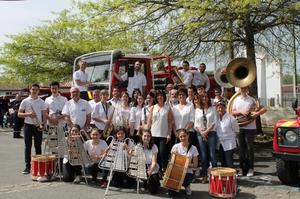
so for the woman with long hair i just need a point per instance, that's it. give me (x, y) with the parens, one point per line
(136, 118)
(205, 119)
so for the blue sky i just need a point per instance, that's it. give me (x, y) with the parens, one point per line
(18, 16)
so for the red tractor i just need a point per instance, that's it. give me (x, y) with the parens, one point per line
(101, 66)
(286, 147)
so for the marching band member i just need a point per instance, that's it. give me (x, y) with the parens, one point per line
(122, 115)
(205, 118)
(120, 179)
(189, 150)
(242, 105)
(151, 151)
(173, 98)
(160, 123)
(70, 172)
(80, 79)
(191, 94)
(226, 127)
(136, 92)
(96, 99)
(102, 111)
(183, 113)
(77, 110)
(33, 109)
(186, 74)
(136, 118)
(218, 96)
(146, 109)
(115, 100)
(96, 149)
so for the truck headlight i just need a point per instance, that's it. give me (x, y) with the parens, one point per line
(290, 136)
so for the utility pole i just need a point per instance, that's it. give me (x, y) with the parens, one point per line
(294, 63)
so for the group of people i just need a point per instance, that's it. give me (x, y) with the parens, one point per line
(180, 120)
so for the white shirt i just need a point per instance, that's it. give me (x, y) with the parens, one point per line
(244, 104)
(55, 106)
(187, 77)
(77, 111)
(211, 117)
(94, 150)
(114, 102)
(226, 129)
(145, 113)
(83, 77)
(93, 105)
(136, 116)
(192, 152)
(121, 116)
(148, 155)
(159, 127)
(37, 105)
(137, 81)
(184, 116)
(201, 79)
(101, 111)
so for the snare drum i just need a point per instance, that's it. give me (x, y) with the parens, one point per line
(42, 167)
(222, 182)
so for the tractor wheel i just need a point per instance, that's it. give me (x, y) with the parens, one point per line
(287, 171)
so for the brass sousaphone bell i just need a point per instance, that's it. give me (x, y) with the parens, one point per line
(241, 72)
(221, 79)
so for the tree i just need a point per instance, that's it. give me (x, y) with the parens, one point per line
(188, 28)
(46, 53)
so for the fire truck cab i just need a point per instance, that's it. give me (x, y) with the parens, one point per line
(102, 65)
(286, 147)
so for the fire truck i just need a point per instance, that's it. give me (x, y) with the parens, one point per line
(286, 147)
(102, 65)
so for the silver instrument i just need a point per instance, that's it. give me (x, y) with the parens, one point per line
(77, 154)
(35, 120)
(116, 158)
(137, 165)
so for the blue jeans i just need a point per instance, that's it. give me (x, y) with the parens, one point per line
(208, 151)
(226, 157)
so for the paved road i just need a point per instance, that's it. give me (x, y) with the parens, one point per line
(15, 185)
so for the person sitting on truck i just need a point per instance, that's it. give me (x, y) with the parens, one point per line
(80, 79)
(200, 77)
(138, 80)
(186, 74)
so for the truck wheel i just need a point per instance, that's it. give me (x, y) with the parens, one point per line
(287, 171)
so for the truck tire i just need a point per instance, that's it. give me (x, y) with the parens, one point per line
(287, 171)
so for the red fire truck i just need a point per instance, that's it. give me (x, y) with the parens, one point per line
(101, 66)
(286, 147)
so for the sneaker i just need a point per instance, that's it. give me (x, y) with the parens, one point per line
(18, 136)
(103, 184)
(188, 190)
(77, 180)
(197, 172)
(26, 171)
(250, 173)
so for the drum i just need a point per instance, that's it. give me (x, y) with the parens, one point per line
(175, 172)
(222, 182)
(42, 167)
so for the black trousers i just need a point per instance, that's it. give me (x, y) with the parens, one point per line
(246, 149)
(163, 151)
(84, 95)
(152, 184)
(29, 132)
(18, 123)
(120, 179)
(69, 172)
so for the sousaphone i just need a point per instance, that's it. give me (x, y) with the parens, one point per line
(241, 72)
(221, 78)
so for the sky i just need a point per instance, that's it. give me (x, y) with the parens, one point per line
(18, 16)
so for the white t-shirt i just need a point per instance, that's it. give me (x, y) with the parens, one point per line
(94, 150)
(243, 104)
(102, 111)
(149, 154)
(137, 81)
(211, 117)
(159, 127)
(187, 77)
(136, 116)
(192, 152)
(77, 111)
(114, 102)
(55, 106)
(183, 116)
(37, 105)
(83, 77)
(201, 79)
(93, 105)
(226, 129)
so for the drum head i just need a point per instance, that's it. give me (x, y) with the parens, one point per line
(222, 171)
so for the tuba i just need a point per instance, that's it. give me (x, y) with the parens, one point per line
(241, 72)
(176, 76)
(221, 79)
